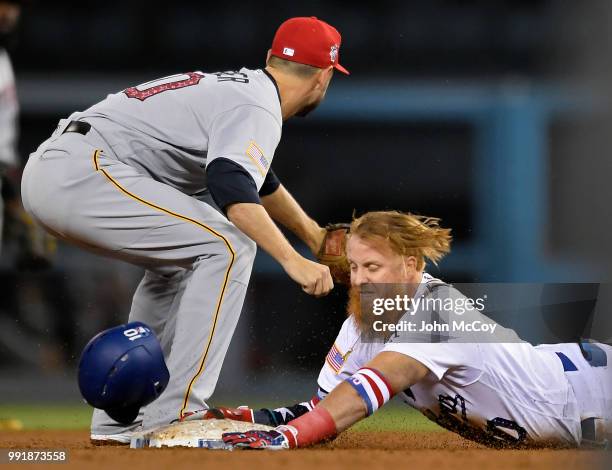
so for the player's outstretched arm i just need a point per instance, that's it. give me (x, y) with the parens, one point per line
(285, 210)
(354, 402)
(357, 397)
(327, 244)
(254, 221)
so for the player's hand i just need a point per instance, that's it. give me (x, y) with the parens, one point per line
(314, 278)
(277, 439)
(241, 413)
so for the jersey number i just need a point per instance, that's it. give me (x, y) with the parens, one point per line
(499, 432)
(155, 87)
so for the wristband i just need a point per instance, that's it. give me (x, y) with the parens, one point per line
(315, 426)
(372, 387)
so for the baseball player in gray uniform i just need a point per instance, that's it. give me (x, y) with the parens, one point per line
(174, 175)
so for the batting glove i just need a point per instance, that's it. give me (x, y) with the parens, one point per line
(280, 438)
(244, 414)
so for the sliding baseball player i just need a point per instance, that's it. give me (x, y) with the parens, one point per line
(499, 393)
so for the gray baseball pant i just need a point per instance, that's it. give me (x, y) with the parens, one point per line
(198, 264)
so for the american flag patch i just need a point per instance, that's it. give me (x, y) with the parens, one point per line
(256, 154)
(335, 359)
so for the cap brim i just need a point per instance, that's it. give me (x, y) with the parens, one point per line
(124, 415)
(341, 69)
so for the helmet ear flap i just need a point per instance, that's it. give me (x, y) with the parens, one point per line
(121, 370)
(123, 415)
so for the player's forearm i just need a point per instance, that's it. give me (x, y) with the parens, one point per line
(338, 411)
(357, 397)
(389, 371)
(285, 210)
(345, 406)
(254, 221)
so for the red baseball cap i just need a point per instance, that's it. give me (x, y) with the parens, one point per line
(308, 41)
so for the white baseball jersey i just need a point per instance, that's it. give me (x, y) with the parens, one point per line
(494, 393)
(172, 128)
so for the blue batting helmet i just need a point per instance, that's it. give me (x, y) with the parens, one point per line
(122, 369)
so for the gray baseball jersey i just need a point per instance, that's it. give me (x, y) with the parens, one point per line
(173, 127)
(125, 189)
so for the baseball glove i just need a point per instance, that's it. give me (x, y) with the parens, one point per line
(333, 252)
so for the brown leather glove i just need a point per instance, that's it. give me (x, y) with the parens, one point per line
(333, 252)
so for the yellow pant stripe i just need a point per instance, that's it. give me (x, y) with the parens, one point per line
(225, 280)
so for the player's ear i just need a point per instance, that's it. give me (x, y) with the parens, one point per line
(324, 76)
(268, 56)
(410, 264)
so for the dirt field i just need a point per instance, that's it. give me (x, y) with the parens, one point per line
(379, 450)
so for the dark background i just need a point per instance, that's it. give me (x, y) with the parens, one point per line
(492, 115)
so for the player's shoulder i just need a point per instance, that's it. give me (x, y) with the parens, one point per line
(249, 88)
(349, 331)
(431, 281)
(430, 285)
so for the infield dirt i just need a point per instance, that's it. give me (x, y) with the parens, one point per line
(371, 450)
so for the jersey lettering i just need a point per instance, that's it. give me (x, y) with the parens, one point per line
(155, 87)
(453, 416)
(448, 405)
(231, 76)
(503, 430)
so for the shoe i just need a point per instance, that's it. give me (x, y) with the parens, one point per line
(119, 439)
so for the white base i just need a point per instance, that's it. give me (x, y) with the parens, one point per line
(204, 434)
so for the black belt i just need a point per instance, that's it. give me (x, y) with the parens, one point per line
(81, 127)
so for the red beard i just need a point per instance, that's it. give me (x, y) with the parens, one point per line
(353, 306)
(361, 308)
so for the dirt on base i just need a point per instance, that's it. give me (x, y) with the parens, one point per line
(352, 450)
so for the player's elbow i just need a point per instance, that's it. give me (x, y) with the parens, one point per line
(230, 185)
(240, 212)
(400, 371)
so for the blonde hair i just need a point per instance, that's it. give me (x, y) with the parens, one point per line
(407, 234)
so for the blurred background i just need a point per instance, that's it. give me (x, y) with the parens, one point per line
(492, 115)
